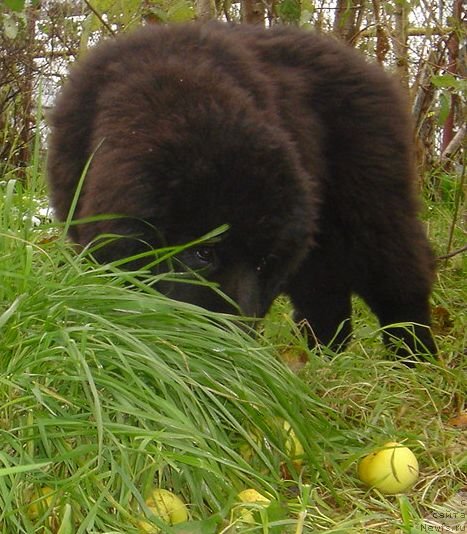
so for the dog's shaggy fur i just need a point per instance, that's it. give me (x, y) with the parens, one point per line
(289, 137)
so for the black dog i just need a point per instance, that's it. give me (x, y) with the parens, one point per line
(289, 137)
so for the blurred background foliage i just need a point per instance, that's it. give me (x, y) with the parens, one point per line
(422, 41)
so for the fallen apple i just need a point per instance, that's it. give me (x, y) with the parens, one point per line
(250, 496)
(41, 501)
(392, 468)
(293, 446)
(166, 505)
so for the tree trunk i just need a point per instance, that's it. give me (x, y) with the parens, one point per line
(348, 19)
(253, 12)
(423, 102)
(26, 90)
(452, 68)
(382, 40)
(399, 40)
(205, 10)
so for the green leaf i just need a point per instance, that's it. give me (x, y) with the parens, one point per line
(405, 509)
(14, 470)
(10, 27)
(289, 10)
(444, 107)
(159, 13)
(207, 526)
(276, 512)
(181, 12)
(448, 81)
(15, 5)
(66, 526)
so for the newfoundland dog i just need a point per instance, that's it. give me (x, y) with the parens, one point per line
(290, 138)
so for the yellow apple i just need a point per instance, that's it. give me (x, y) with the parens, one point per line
(166, 505)
(293, 447)
(246, 450)
(250, 496)
(42, 500)
(392, 468)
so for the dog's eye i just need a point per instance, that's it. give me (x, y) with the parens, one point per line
(203, 258)
(206, 255)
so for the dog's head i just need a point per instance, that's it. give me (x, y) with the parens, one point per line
(175, 157)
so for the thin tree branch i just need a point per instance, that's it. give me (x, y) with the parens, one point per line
(101, 20)
(453, 253)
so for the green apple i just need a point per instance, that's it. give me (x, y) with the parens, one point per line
(392, 468)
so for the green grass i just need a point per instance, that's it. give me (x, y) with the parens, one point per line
(108, 390)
